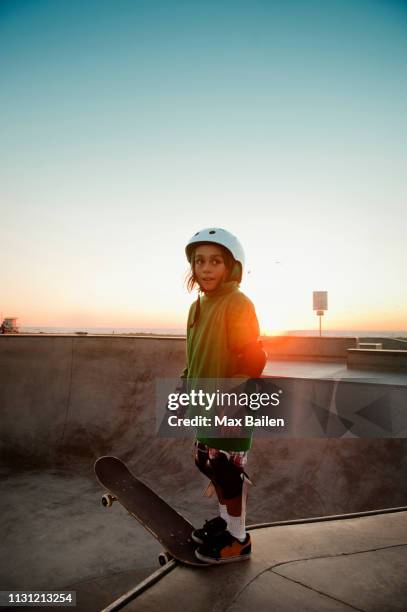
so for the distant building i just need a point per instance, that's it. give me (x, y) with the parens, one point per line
(9, 326)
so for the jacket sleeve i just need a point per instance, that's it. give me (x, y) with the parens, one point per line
(243, 336)
(251, 360)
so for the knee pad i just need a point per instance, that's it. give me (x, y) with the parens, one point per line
(223, 473)
(227, 476)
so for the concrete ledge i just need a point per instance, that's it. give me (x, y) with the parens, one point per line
(370, 345)
(86, 335)
(308, 347)
(375, 359)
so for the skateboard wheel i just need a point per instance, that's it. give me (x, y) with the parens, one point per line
(107, 500)
(164, 558)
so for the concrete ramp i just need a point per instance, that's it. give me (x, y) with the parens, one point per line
(65, 401)
(331, 566)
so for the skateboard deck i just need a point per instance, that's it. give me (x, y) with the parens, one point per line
(171, 529)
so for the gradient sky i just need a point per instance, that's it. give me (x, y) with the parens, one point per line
(126, 126)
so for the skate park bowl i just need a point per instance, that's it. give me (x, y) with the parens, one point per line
(67, 400)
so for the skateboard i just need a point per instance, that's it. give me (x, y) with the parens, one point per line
(171, 529)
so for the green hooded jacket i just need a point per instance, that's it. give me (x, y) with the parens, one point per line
(220, 325)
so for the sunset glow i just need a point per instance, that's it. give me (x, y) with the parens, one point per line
(125, 134)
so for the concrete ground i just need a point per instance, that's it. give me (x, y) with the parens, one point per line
(57, 535)
(332, 566)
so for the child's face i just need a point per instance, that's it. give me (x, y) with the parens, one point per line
(209, 267)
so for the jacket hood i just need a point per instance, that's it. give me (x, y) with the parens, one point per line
(222, 289)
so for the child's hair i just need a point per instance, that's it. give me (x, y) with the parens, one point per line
(192, 281)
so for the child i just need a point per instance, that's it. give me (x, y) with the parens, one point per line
(222, 342)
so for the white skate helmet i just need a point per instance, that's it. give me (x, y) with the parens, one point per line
(217, 235)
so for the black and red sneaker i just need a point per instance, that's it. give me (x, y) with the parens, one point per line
(212, 529)
(225, 549)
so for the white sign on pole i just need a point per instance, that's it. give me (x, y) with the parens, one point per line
(320, 300)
